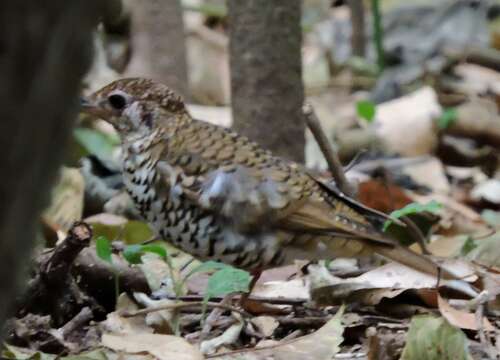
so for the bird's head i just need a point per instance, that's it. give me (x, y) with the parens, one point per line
(135, 106)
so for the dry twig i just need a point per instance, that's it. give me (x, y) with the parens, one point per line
(330, 155)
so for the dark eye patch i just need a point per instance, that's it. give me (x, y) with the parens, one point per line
(117, 101)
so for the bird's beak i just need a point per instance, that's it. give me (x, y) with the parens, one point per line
(87, 106)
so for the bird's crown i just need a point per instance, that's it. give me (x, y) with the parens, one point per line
(145, 90)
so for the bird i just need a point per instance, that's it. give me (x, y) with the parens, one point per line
(218, 195)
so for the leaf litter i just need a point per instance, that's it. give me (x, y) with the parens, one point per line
(451, 195)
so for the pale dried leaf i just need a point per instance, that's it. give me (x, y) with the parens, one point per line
(429, 173)
(388, 281)
(265, 324)
(162, 347)
(461, 319)
(415, 111)
(488, 190)
(115, 323)
(160, 320)
(157, 273)
(228, 337)
(321, 345)
(296, 289)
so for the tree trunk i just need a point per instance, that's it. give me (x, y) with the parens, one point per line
(45, 49)
(358, 42)
(158, 43)
(266, 76)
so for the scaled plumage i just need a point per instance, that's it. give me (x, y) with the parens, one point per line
(218, 195)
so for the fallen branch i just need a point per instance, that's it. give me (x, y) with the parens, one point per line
(96, 277)
(52, 291)
(184, 305)
(330, 155)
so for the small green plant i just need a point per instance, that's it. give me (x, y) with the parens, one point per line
(413, 208)
(378, 34)
(366, 110)
(447, 118)
(468, 246)
(133, 253)
(226, 281)
(104, 252)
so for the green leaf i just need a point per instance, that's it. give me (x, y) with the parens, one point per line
(447, 118)
(228, 280)
(155, 249)
(103, 249)
(95, 142)
(433, 338)
(366, 110)
(468, 246)
(133, 253)
(413, 208)
(206, 267)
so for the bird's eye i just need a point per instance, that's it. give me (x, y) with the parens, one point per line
(117, 101)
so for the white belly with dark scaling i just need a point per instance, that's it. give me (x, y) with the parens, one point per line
(188, 227)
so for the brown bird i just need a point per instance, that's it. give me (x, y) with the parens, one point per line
(217, 195)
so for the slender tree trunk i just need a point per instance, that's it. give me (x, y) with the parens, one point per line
(266, 76)
(358, 41)
(45, 49)
(158, 43)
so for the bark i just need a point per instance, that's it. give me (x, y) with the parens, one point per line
(358, 27)
(158, 43)
(266, 75)
(45, 49)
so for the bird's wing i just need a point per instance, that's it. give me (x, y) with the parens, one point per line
(340, 218)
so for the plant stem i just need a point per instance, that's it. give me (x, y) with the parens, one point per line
(117, 285)
(378, 34)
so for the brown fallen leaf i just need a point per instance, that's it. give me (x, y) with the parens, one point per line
(387, 281)
(162, 347)
(321, 345)
(461, 319)
(117, 324)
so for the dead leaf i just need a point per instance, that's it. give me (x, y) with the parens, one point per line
(296, 289)
(461, 319)
(163, 347)
(228, 337)
(117, 324)
(488, 191)
(265, 324)
(66, 205)
(446, 246)
(477, 79)
(429, 173)
(320, 345)
(387, 281)
(415, 111)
